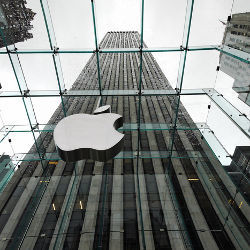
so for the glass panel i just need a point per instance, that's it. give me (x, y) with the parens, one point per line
(7, 76)
(196, 107)
(160, 16)
(17, 141)
(36, 78)
(120, 69)
(207, 28)
(45, 107)
(74, 68)
(235, 115)
(198, 65)
(114, 21)
(224, 134)
(217, 147)
(224, 84)
(78, 13)
(217, 196)
(163, 74)
(13, 111)
(38, 38)
(6, 146)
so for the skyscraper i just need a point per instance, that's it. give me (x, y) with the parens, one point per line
(139, 200)
(15, 21)
(237, 36)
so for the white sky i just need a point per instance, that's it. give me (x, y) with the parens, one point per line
(163, 27)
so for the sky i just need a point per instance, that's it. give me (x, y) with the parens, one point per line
(163, 27)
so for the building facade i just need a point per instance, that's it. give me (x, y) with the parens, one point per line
(140, 200)
(237, 36)
(15, 21)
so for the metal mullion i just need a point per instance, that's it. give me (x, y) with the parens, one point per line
(53, 47)
(126, 127)
(185, 41)
(119, 50)
(235, 53)
(138, 129)
(97, 52)
(125, 92)
(28, 106)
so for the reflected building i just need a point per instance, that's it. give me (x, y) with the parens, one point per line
(149, 202)
(6, 171)
(15, 21)
(237, 36)
(239, 169)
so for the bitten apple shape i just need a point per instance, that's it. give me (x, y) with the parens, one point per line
(84, 136)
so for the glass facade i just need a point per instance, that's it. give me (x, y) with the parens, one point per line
(167, 189)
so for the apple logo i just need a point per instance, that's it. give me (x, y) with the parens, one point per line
(84, 136)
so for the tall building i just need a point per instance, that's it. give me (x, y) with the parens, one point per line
(139, 200)
(15, 21)
(237, 36)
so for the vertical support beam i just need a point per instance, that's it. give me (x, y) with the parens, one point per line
(97, 51)
(182, 63)
(23, 88)
(53, 46)
(138, 179)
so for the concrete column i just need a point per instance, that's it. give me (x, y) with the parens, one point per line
(227, 181)
(149, 239)
(67, 208)
(116, 224)
(217, 198)
(17, 212)
(199, 221)
(40, 215)
(88, 229)
(169, 211)
(220, 208)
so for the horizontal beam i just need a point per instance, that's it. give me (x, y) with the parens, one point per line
(241, 120)
(238, 54)
(19, 157)
(6, 129)
(96, 92)
(235, 53)
(108, 50)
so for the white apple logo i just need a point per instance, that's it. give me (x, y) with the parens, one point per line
(84, 136)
